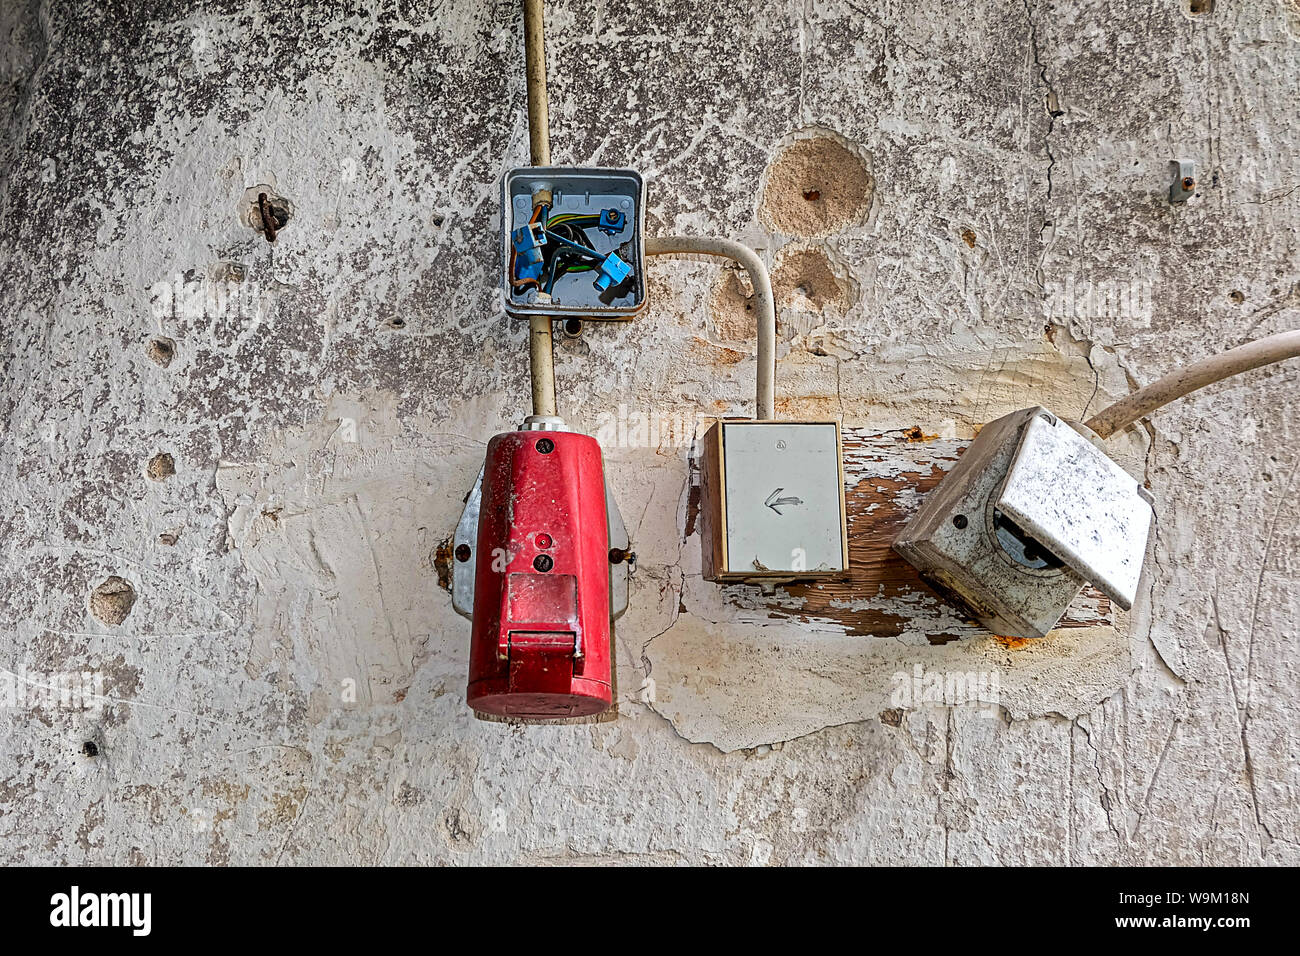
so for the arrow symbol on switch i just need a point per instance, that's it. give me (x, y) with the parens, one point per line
(776, 503)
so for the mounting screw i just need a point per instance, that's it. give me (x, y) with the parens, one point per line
(543, 562)
(960, 521)
(545, 446)
(1184, 184)
(462, 552)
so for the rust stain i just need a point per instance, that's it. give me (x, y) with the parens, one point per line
(693, 498)
(1012, 643)
(915, 434)
(728, 356)
(968, 237)
(442, 558)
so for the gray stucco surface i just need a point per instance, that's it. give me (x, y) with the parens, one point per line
(288, 683)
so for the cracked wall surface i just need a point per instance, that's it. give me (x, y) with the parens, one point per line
(230, 465)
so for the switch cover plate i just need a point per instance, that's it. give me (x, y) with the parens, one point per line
(772, 501)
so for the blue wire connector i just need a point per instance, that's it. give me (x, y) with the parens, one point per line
(611, 221)
(612, 272)
(528, 242)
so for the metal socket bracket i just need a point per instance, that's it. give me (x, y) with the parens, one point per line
(1032, 511)
(614, 202)
(465, 542)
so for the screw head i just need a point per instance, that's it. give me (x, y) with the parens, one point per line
(545, 446)
(960, 521)
(462, 552)
(543, 562)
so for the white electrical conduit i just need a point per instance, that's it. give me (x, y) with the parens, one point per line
(764, 304)
(541, 358)
(1265, 351)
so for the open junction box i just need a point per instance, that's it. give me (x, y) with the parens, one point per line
(573, 242)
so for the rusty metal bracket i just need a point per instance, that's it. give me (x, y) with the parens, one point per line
(1184, 185)
(269, 222)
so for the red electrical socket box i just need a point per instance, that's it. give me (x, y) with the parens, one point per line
(539, 643)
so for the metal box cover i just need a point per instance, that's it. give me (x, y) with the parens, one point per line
(577, 189)
(780, 497)
(1088, 511)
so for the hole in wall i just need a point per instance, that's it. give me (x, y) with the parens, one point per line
(816, 186)
(112, 600)
(803, 277)
(161, 351)
(160, 467)
(1198, 7)
(732, 307)
(250, 211)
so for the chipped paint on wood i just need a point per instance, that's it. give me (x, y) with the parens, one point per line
(886, 476)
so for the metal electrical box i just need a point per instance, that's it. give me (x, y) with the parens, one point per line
(772, 501)
(582, 253)
(1031, 513)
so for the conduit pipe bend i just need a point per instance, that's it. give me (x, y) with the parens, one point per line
(764, 304)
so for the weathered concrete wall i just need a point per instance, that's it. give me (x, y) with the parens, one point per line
(228, 464)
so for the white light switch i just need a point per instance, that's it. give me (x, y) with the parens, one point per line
(778, 493)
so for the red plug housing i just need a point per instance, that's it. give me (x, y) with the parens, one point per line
(539, 643)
